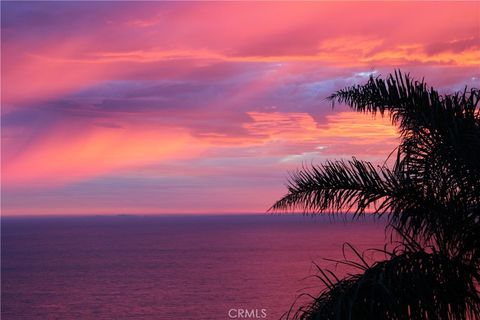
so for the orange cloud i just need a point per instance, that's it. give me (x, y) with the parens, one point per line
(325, 33)
(207, 84)
(302, 127)
(65, 156)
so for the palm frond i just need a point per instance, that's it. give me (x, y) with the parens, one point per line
(341, 186)
(439, 154)
(410, 103)
(431, 197)
(441, 130)
(410, 285)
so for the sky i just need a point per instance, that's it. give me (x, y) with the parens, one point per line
(195, 107)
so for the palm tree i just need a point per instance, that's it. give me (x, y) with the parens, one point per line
(430, 198)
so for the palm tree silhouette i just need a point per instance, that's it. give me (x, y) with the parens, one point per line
(430, 198)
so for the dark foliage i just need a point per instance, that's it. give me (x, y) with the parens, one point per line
(431, 196)
(409, 285)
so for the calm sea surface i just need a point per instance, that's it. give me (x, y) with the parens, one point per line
(184, 267)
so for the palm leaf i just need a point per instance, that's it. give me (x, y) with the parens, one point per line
(343, 186)
(431, 197)
(409, 285)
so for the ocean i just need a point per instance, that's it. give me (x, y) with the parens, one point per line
(169, 267)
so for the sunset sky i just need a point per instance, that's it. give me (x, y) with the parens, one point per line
(180, 107)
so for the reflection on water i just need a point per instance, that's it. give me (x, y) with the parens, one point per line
(196, 267)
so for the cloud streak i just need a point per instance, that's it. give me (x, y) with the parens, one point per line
(139, 107)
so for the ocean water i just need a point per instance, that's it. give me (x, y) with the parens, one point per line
(168, 267)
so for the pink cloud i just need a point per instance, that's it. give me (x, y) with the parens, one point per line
(216, 109)
(330, 33)
(69, 154)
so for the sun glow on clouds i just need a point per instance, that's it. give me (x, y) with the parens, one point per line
(77, 72)
(64, 156)
(191, 107)
(358, 133)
